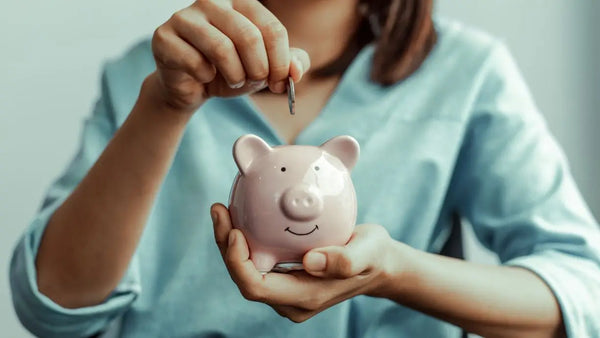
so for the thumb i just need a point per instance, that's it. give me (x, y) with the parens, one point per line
(300, 63)
(335, 262)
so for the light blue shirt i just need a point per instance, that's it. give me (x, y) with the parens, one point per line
(462, 134)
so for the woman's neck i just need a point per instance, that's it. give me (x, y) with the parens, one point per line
(321, 27)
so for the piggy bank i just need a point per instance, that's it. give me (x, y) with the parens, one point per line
(293, 198)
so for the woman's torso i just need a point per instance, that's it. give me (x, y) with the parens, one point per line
(410, 135)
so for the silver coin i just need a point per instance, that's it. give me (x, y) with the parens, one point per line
(291, 96)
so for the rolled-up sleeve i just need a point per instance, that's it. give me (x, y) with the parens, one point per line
(38, 313)
(514, 185)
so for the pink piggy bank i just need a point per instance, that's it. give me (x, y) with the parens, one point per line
(290, 199)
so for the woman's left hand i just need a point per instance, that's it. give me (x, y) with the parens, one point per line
(332, 274)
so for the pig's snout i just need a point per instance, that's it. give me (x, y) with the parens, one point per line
(302, 203)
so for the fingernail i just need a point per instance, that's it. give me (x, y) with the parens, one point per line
(231, 237)
(237, 85)
(315, 261)
(257, 83)
(214, 216)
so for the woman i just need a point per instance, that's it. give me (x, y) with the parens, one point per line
(446, 126)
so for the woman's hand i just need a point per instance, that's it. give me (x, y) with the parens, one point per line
(491, 301)
(333, 274)
(221, 48)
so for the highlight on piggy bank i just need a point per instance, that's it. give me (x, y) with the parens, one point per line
(290, 199)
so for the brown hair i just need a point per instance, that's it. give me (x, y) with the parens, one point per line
(403, 33)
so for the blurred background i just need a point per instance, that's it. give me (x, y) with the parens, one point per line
(52, 52)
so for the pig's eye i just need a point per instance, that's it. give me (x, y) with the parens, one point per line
(317, 168)
(282, 169)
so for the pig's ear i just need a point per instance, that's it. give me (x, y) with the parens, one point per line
(345, 148)
(246, 149)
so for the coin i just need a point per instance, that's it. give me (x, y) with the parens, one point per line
(291, 96)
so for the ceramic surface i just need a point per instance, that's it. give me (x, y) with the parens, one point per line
(290, 199)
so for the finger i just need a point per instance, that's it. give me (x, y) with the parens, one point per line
(295, 314)
(341, 261)
(222, 226)
(242, 269)
(192, 27)
(300, 63)
(247, 39)
(276, 41)
(173, 53)
(304, 292)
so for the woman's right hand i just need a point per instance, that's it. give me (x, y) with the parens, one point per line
(222, 48)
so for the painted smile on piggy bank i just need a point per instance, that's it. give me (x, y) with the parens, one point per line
(290, 199)
(301, 234)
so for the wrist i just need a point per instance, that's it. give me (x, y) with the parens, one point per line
(398, 270)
